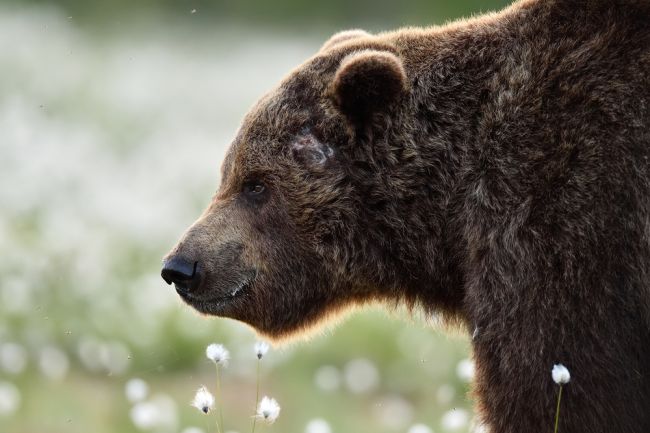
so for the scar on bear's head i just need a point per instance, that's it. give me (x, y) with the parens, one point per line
(310, 151)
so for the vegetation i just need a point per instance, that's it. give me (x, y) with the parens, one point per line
(110, 143)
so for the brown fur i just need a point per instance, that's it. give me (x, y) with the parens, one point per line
(495, 170)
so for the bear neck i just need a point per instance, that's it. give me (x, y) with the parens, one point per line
(422, 154)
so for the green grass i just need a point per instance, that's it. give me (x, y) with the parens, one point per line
(111, 143)
(412, 363)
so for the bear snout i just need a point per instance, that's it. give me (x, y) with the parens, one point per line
(210, 275)
(184, 274)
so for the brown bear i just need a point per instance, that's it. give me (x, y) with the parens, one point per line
(494, 170)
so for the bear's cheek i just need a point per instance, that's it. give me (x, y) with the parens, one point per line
(290, 288)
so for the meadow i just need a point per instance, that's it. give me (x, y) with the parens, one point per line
(110, 144)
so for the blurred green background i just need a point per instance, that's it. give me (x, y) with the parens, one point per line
(114, 117)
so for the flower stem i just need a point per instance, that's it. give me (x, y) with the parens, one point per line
(557, 411)
(257, 395)
(220, 420)
(207, 424)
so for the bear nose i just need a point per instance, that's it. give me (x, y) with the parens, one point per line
(183, 273)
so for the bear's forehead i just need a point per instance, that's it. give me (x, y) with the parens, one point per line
(287, 108)
(272, 124)
(266, 131)
(299, 101)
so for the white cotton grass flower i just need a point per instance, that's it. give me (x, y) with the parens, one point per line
(318, 425)
(203, 400)
(393, 412)
(268, 410)
(9, 399)
(420, 428)
(192, 430)
(465, 370)
(261, 348)
(218, 354)
(158, 413)
(144, 415)
(560, 374)
(455, 419)
(136, 390)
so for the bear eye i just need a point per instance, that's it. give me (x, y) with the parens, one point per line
(254, 188)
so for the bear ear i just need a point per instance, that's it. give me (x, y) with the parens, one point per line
(343, 36)
(368, 82)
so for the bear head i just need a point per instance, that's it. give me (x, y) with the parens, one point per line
(306, 220)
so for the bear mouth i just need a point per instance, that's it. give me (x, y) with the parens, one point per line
(207, 304)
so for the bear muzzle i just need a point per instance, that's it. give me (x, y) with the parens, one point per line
(210, 283)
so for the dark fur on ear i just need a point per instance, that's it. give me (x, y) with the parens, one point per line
(343, 36)
(368, 82)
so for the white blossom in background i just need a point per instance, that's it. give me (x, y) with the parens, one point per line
(361, 376)
(268, 410)
(218, 354)
(136, 390)
(144, 415)
(13, 358)
(328, 378)
(455, 419)
(159, 412)
(420, 428)
(203, 400)
(560, 374)
(393, 412)
(168, 408)
(318, 425)
(192, 430)
(261, 348)
(9, 398)
(53, 362)
(465, 370)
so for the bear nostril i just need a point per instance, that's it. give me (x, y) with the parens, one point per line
(180, 272)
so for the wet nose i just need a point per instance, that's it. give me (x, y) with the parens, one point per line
(183, 273)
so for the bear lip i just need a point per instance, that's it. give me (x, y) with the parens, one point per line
(201, 302)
